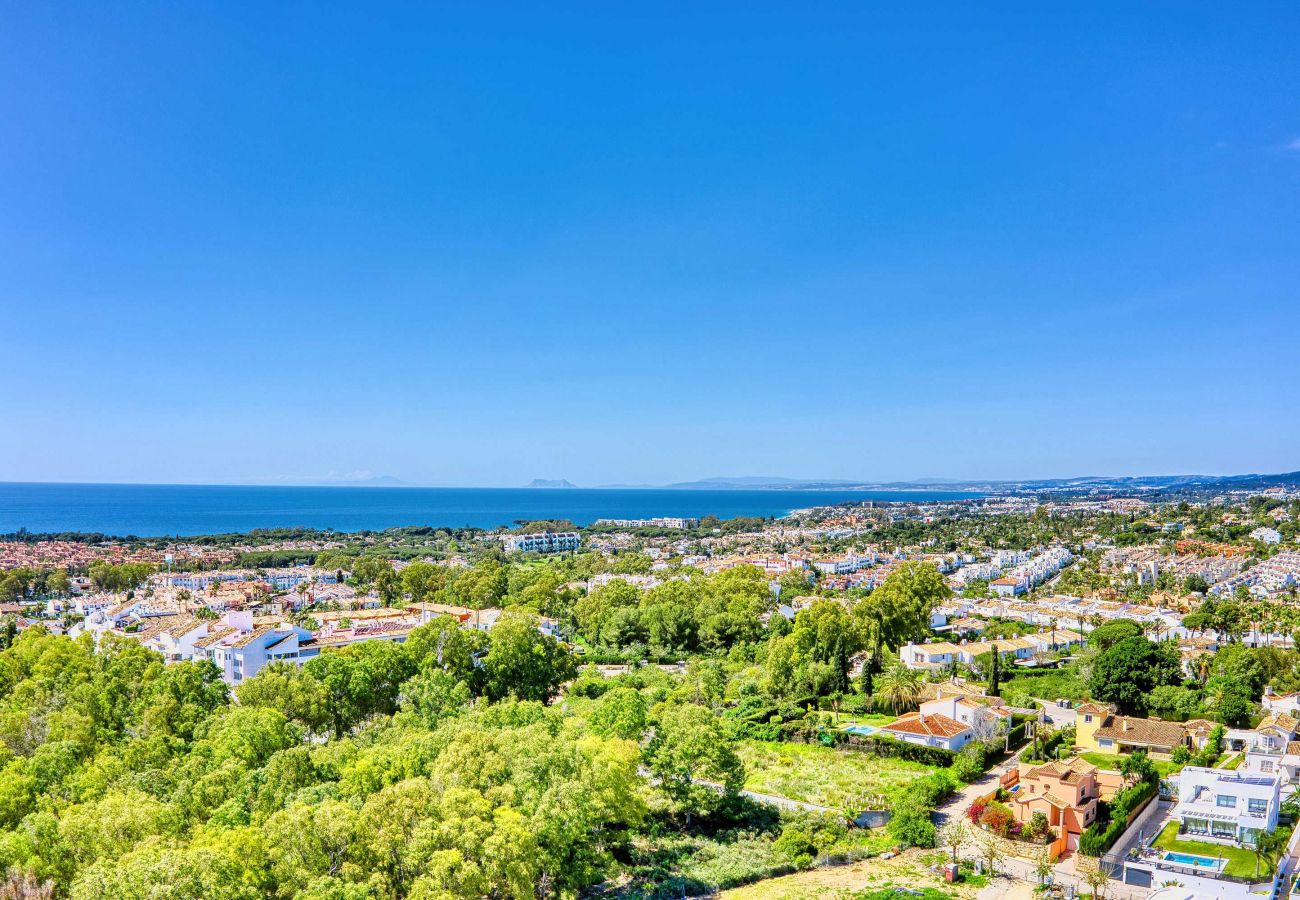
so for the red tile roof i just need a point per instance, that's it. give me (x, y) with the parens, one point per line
(931, 726)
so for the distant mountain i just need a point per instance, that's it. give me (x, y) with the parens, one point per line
(374, 481)
(1084, 484)
(756, 482)
(551, 483)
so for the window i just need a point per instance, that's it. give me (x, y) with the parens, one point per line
(1257, 806)
(1265, 766)
(1225, 800)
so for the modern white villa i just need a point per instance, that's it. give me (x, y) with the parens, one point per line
(1219, 805)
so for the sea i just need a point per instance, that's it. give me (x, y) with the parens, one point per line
(162, 510)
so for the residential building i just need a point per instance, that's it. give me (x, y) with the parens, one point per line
(1099, 729)
(1271, 735)
(1218, 805)
(982, 715)
(675, 522)
(1267, 535)
(930, 730)
(543, 542)
(1066, 793)
(1288, 704)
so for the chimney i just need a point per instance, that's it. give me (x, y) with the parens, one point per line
(1125, 725)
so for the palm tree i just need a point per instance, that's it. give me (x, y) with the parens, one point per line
(1203, 667)
(1268, 846)
(899, 687)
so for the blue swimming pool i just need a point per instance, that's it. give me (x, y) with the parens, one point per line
(863, 730)
(1196, 862)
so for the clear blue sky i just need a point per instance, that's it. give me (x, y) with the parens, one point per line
(608, 242)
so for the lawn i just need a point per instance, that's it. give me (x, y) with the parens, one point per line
(1241, 861)
(1112, 763)
(816, 774)
(863, 719)
(1233, 763)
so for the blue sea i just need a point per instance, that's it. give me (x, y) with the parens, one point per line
(149, 510)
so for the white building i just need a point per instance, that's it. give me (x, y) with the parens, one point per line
(1267, 535)
(1219, 805)
(543, 542)
(930, 730)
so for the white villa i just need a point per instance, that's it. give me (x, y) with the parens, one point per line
(1225, 806)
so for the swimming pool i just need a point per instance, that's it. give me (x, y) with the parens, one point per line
(1196, 862)
(863, 730)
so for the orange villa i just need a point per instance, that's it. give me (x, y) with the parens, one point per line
(1066, 792)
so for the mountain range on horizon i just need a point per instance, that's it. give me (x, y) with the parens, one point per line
(1081, 483)
(1078, 482)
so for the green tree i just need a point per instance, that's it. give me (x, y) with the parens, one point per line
(620, 713)
(1126, 672)
(898, 688)
(521, 662)
(292, 692)
(690, 752)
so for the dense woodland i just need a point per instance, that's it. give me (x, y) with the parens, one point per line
(457, 764)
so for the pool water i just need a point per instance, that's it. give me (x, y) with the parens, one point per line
(863, 730)
(1198, 862)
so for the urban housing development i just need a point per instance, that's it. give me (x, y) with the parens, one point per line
(1073, 693)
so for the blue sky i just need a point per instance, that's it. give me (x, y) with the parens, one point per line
(645, 243)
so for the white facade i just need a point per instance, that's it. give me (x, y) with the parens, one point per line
(1219, 805)
(543, 542)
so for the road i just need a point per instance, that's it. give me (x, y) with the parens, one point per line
(782, 802)
(1057, 716)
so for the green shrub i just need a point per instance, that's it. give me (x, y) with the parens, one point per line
(879, 745)
(1112, 819)
(911, 826)
(969, 765)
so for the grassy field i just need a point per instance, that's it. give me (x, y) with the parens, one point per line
(1240, 861)
(855, 881)
(816, 774)
(1112, 763)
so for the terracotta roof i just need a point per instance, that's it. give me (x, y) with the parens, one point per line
(1095, 709)
(214, 636)
(1293, 748)
(182, 627)
(1151, 732)
(950, 688)
(253, 635)
(930, 726)
(1280, 721)
(1069, 769)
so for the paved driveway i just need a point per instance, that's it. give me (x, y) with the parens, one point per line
(956, 804)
